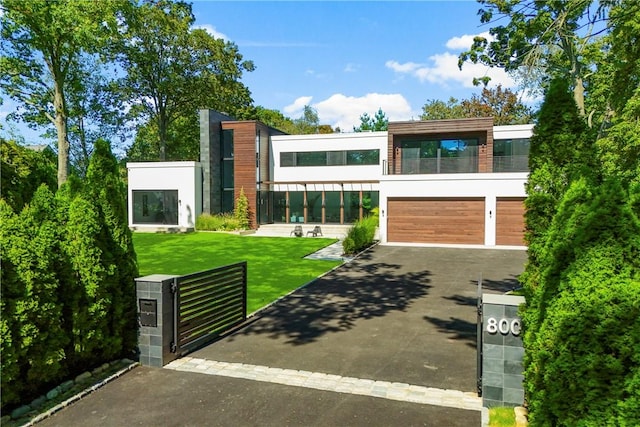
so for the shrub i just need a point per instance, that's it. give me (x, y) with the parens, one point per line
(32, 339)
(582, 324)
(217, 222)
(360, 235)
(23, 171)
(68, 291)
(241, 211)
(106, 189)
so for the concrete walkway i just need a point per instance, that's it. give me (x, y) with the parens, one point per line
(333, 252)
(320, 381)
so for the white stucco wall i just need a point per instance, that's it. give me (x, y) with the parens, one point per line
(328, 142)
(490, 186)
(512, 131)
(186, 177)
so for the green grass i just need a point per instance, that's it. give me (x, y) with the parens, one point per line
(275, 264)
(502, 417)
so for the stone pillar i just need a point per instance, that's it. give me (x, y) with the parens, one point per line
(155, 317)
(502, 351)
(211, 159)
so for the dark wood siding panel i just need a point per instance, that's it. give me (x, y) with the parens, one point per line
(510, 221)
(481, 128)
(436, 220)
(441, 126)
(244, 162)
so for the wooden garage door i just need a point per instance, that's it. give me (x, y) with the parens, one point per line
(436, 220)
(510, 221)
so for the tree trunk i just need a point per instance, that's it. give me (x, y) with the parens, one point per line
(61, 128)
(162, 136)
(578, 95)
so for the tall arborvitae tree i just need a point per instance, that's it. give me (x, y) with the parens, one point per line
(23, 171)
(560, 150)
(106, 189)
(32, 338)
(582, 321)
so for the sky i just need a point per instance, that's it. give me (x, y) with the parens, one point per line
(350, 57)
(345, 58)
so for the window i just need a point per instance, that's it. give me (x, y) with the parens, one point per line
(370, 200)
(330, 158)
(363, 157)
(332, 206)
(314, 206)
(279, 206)
(296, 206)
(351, 206)
(439, 156)
(227, 171)
(155, 207)
(511, 155)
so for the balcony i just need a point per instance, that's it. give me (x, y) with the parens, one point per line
(511, 163)
(439, 165)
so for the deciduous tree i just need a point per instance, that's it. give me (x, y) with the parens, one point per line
(501, 104)
(42, 44)
(172, 69)
(550, 35)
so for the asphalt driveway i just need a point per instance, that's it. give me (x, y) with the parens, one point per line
(400, 314)
(397, 314)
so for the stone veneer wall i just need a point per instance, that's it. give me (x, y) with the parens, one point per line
(502, 351)
(154, 342)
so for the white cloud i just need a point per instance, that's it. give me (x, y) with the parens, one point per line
(442, 68)
(297, 106)
(212, 31)
(351, 68)
(344, 111)
(464, 42)
(407, 67)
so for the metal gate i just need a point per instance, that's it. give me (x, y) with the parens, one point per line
(207, 304)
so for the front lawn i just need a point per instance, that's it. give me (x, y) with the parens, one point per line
(275, 264)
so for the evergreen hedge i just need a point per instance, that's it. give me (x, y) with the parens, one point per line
(68, 292)
(582, 334)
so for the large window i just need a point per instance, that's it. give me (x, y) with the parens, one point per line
(296, 206)
(155, 207)
(351, 206)
(336, 204)
(511, 155)
(228, 195)
(314, 206)
(439, 156)
(332, 207)
(280, 206)
(330, 158)
(370, 200)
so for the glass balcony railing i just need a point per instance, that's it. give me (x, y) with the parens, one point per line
(442, 165)
(511, 163)
(457, 165)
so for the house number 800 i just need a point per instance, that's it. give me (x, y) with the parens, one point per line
(504, 326)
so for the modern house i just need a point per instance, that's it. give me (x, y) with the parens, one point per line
(458, 182)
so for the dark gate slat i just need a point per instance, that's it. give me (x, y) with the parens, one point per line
(232, 305)
(210, 292)
(209, 304)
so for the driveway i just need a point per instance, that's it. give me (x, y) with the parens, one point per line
(397, 316)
